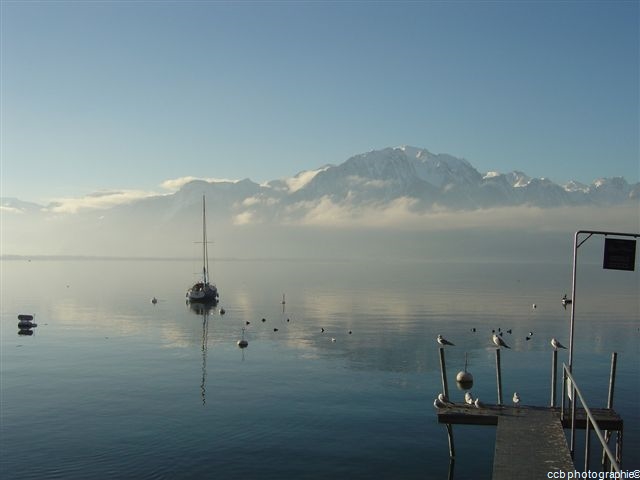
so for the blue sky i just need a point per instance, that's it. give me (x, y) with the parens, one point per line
(101, 96)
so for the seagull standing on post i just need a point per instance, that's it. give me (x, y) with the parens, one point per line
(556, 344)
(499, 341)
(516, 399)
(443, 341)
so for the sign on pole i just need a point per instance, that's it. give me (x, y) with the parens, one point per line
(619, 254)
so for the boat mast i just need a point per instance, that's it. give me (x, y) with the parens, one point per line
(205, 253)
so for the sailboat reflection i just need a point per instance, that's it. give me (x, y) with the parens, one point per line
(204, 310)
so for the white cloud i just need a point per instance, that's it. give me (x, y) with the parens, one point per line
(7, 209)
(300, 180)
(402, 214)
(176, 184)
(97, 201)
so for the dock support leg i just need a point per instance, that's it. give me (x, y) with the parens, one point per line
(452, 450)
(443, 374)
(499, 376)
(554, 376)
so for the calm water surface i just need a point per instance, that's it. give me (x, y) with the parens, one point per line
(111, 385)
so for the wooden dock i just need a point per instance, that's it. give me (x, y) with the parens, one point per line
(530, 441)
(530, 445)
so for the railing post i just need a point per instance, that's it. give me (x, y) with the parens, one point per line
(612, 384)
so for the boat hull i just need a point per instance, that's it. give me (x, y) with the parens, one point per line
(202, 293)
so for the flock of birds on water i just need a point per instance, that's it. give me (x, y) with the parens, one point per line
(441, 401)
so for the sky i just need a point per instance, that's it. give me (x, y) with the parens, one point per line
(103, 96)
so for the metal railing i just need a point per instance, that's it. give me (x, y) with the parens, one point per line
(573, 392)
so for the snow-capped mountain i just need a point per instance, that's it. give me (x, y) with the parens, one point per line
(374, 179)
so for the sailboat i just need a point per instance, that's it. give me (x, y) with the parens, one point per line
(203, 291)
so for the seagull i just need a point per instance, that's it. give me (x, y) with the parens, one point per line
(444, 341)
(154, 300)
(531, 334)
(556, 344)
(499, 341)
(478, 403)
(565, 301)
(275, 329)
(534, 306)
(439, 403)
(333, 339)
(468, 399)
(516, 399)
(444, 399)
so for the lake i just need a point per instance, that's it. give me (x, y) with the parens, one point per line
(111, 385)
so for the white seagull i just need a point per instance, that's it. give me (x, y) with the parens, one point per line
(499, 341)
(444, 341)
(556, 344)
(468, 399)
(516, 399)
(478, 403)
(441, 401)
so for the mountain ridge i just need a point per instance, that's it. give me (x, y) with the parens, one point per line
(376, 178)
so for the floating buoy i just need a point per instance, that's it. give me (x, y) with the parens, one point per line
(242, 343)
(154, 300)
(464, 378)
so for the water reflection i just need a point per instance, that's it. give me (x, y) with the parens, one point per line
(204, 310)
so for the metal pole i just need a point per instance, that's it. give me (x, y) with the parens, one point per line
(612, 379)
(586, 445)
(499, 376)
(612, 384)
(554, 376)
(573, 418)
(573, 298)
(443, 374)
(452, 450)
(576, 245)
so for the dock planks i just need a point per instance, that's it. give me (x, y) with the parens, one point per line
(529, 445)
(530, 440)
(461, 414)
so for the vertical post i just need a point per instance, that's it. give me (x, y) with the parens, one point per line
(573, 418)
(587, 439)
(612, 384)
(452, 450)
(443, 374)
(612, 379)
(499, 376)
(573, 298)
(554, 376)
(619, 448)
